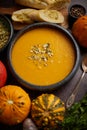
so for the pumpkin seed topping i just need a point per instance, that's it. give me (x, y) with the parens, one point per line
(41, 54)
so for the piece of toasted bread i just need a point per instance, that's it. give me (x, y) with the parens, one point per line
(52, 16)
(42, 4)
(32, 15)
(22, 16)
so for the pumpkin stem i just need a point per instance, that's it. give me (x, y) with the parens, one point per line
(10, 102)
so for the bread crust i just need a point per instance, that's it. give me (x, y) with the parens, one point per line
(42, 4)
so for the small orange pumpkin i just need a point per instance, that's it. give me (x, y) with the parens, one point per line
(79, 30)
(14, 104)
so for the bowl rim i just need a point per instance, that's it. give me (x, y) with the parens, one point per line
(8, 21)
(52, 86)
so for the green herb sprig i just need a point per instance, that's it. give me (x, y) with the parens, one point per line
(76, 116)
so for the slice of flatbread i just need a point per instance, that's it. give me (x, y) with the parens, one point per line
(32, 15)
(52, 16)
(22, 16)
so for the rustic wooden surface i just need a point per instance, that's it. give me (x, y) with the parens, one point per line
(64, 91)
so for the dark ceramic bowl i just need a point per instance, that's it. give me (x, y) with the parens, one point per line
(75, 11)
(57, 84)
(6, 31)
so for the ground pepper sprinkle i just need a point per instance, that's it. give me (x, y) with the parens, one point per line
(77, 11)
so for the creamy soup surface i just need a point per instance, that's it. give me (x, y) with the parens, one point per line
(43, 56)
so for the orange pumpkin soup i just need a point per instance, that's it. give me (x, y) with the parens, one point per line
(43, 56)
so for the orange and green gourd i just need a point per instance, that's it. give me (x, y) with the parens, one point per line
(47, 111)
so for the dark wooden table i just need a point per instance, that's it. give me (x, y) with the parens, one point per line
(64, 91)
